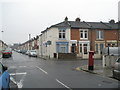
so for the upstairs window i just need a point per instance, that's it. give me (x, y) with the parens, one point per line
(99, 35)
(83, 34)
(62, 34)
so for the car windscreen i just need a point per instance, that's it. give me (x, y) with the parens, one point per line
(7, 51)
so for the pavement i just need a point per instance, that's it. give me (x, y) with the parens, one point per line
(98, 69)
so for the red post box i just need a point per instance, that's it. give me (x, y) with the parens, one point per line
(91, 61)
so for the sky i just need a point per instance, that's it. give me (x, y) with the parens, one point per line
(19, 18)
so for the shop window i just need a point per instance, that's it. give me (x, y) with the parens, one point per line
(63, 49)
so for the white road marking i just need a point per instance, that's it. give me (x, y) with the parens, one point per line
(23, 73)
(20, 83)
(22, 66)
(13, 80)
(41, 70)
(12, 67)
(63, 84)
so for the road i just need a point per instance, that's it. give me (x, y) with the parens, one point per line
(31, 72)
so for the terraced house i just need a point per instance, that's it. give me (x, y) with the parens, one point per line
(3, 46)
(78, 37)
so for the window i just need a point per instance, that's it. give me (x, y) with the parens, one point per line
(101, 48)
(96, 47)
(85, 49)
(73, 48)
(62, 34)
(112, 44)
(84, 34)
(80, 48)
(99, 35)
(63, 49)
(81, 34)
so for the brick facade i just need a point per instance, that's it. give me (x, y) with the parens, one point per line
(109, 36)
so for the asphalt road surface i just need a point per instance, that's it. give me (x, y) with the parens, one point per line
(31, 72)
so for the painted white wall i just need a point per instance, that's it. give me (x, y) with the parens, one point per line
(51, 34)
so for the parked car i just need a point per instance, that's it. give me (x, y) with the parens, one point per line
(23, 51)
(33, 53)
(27, 53)
(6, 53)
(18, 51)
(116, 70)
(4, 77)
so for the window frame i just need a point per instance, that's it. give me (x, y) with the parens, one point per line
(99, 34)
(96, 48)
(62, 34)
(85, 48)
(83, 33)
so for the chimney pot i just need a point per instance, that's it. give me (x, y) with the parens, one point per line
(66, 19)
(77, 19)
(112, 21)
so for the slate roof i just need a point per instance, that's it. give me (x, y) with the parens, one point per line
(87, 25)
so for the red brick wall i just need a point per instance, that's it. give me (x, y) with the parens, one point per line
(108, 35)
(75, 34)
(111, 34)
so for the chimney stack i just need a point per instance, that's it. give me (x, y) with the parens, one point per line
(78, 19)
(112, 21)
(66, 19)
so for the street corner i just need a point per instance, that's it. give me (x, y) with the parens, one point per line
(78, 68)
(85, 69)
(82, 68)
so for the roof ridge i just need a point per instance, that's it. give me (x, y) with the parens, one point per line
(105, 24)
(88, 24)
